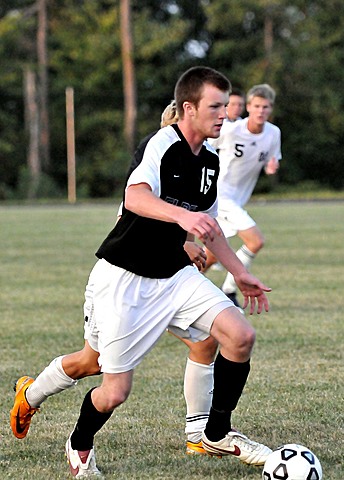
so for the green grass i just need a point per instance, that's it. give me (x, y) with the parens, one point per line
(296, 387)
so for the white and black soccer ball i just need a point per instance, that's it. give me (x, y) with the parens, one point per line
(292, 462)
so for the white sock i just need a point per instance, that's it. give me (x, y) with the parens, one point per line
(198, 393)
(246, 257)
(52, 380)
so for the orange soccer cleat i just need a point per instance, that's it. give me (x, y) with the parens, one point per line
(21, 412)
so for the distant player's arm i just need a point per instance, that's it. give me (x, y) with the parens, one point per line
(272, 166)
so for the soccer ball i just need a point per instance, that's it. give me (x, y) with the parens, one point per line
(292, 462)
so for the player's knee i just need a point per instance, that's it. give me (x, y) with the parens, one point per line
(209, 353)
(205, 357)
(259, 243)
(87, 369)
(204, 351)
(246, 340)
(255, 243)
(114, 399)
(93, 369)
(242, 342)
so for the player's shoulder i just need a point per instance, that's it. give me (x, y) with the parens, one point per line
(168, 132)
(235, 129)
(229, 127)
(163, 139)
(210, 145)
(272, 128)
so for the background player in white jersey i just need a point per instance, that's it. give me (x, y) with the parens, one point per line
(234, 110)
(135, 297)
(245, 147)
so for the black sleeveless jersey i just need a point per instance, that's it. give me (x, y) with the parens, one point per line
(153, 248)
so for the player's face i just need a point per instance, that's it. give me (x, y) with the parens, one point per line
(235, 107)
(211, 112)
(259, 110)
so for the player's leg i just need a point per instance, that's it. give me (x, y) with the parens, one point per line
(231, 369)
(198, 389)
(253, 242)
(83, 363)
(96, 409)
(59, 375)
(129, 316)
(62, 373)
(203, 351)
(214, 314)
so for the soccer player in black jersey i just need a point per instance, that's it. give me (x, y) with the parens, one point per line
(136, 297)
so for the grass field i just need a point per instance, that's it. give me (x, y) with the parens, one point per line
(295, 390)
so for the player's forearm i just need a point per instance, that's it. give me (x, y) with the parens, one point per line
(142, 201)
(225, 255)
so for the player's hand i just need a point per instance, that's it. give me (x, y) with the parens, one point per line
(200, 224)
(253, 291)
(196, 254)
(272, 166)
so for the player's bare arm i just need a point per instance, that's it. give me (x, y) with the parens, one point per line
(141, 200)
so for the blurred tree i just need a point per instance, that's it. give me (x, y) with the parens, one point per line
(32, 126)
(42, 61)
(129, 80)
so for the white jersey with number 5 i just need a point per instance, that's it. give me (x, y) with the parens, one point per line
(242, 156)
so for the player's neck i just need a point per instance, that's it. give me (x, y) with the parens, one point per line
(193, 138)
(254, 127)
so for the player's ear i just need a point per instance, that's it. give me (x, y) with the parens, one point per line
(189, 108)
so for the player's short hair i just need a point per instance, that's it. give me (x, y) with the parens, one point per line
(169, 115)
(263, 91)
(189, 87)
(237, 92)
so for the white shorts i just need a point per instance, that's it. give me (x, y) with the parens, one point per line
(233, 219)
(190, 333)
(125, 314)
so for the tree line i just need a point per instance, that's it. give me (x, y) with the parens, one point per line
(122, 59)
